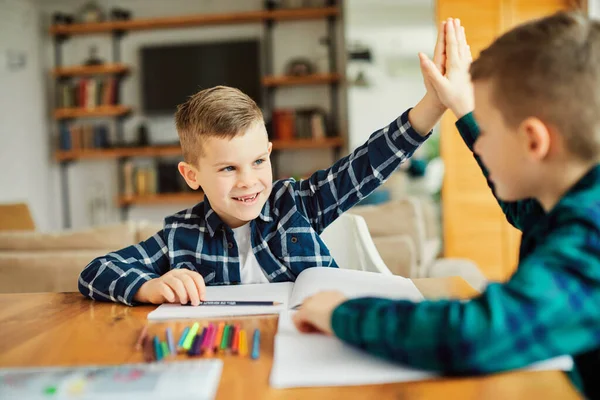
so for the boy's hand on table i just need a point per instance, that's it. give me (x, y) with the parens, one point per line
(315, 313)
(176, 286)
(454, 89)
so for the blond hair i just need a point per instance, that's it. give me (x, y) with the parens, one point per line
(550, 69)
(221, 111)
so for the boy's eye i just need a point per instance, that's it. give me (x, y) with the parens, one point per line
(228, 169)
(259, 161)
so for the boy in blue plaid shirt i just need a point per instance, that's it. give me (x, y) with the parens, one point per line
(537, 138)
(249, 229)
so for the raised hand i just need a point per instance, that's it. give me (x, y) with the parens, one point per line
(453, 89)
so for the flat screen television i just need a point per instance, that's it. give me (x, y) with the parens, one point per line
(170, 74)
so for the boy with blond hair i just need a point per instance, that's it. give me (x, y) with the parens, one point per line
(537, 138)
(249, 229)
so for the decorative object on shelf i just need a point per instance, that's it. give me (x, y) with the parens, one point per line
(283, 124)
(143, 138)
(91, 12)
(300, 67)
(272, 4)
(120, 14)
(93, 58)
(59, 18)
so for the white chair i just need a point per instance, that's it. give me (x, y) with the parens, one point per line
(350, 244)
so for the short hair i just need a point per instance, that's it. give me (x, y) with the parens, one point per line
(221, 111)
(550, 69)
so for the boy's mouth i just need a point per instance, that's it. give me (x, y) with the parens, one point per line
(248, 199)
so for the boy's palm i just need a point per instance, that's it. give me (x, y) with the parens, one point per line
(454, 88)
(176, 286)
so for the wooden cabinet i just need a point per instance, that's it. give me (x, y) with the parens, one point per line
(474, 226)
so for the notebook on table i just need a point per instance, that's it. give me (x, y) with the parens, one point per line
(302, 360)
(291, 294)
(154, 381)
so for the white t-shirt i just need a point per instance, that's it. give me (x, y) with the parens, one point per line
(250, 271)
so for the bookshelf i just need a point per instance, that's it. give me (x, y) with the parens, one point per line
(116, 70)
(166, 151)
(161, 199)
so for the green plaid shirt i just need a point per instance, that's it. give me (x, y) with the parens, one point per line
(550, 307)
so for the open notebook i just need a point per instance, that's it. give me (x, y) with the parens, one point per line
(302, 360)
(291, 294)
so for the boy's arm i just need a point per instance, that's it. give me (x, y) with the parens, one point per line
(118, 276)
(549, 308)
(328, 193)
(519, 213)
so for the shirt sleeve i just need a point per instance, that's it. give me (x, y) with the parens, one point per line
(548, 308)
(328, 193)
(117, 276)
(518, 213)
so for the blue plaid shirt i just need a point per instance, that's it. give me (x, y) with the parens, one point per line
(549, 307)
(285, 236)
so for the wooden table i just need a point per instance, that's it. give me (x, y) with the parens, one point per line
(66, 329)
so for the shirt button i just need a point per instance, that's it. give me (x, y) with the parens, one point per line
(230, 245)
(294, 239)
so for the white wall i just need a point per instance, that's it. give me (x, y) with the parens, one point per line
(26, 173)
(291, 39)
(395, 31)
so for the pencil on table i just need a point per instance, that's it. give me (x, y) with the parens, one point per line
(256, 344)
(157, 349)
(207, 346)
(171, 342)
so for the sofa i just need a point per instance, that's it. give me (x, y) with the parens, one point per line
(405, 232)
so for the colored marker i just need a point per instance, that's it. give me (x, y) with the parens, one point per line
(183, 336)
(225, 338)
(143, 335)
(219, 336)
(235, 346)
(256, 345)
(207, 338)
(243, 346)
(171, 342)
(187, 343)
(157, 349)
(164, 347)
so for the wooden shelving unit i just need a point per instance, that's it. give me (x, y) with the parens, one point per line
(101, 111)
(161, 199)
(86, 70)
(270, 82)
(195, 20)
(165, 151)
(315, 79)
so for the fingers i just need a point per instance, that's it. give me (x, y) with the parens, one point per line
(167, 293)
(191, 289)
(200, 285)
(302, 324)
(452, 52)
(178, 287)
(439, 53)
(431, 72)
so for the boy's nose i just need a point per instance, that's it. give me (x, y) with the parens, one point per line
(246, 179)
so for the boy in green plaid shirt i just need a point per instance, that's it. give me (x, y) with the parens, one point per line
(535, 93)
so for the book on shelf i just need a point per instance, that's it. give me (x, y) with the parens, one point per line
(88, 93)
(83, 137)
(301, 123)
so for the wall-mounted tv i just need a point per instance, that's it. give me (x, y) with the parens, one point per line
(172, 73)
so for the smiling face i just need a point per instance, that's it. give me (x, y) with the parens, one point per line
(235, 174)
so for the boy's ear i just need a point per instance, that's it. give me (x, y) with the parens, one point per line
(537, 137)
(190, 174)
(270, 148)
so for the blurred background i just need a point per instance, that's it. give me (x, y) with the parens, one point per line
(88, 90)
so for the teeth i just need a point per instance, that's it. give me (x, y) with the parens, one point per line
(246, 199)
